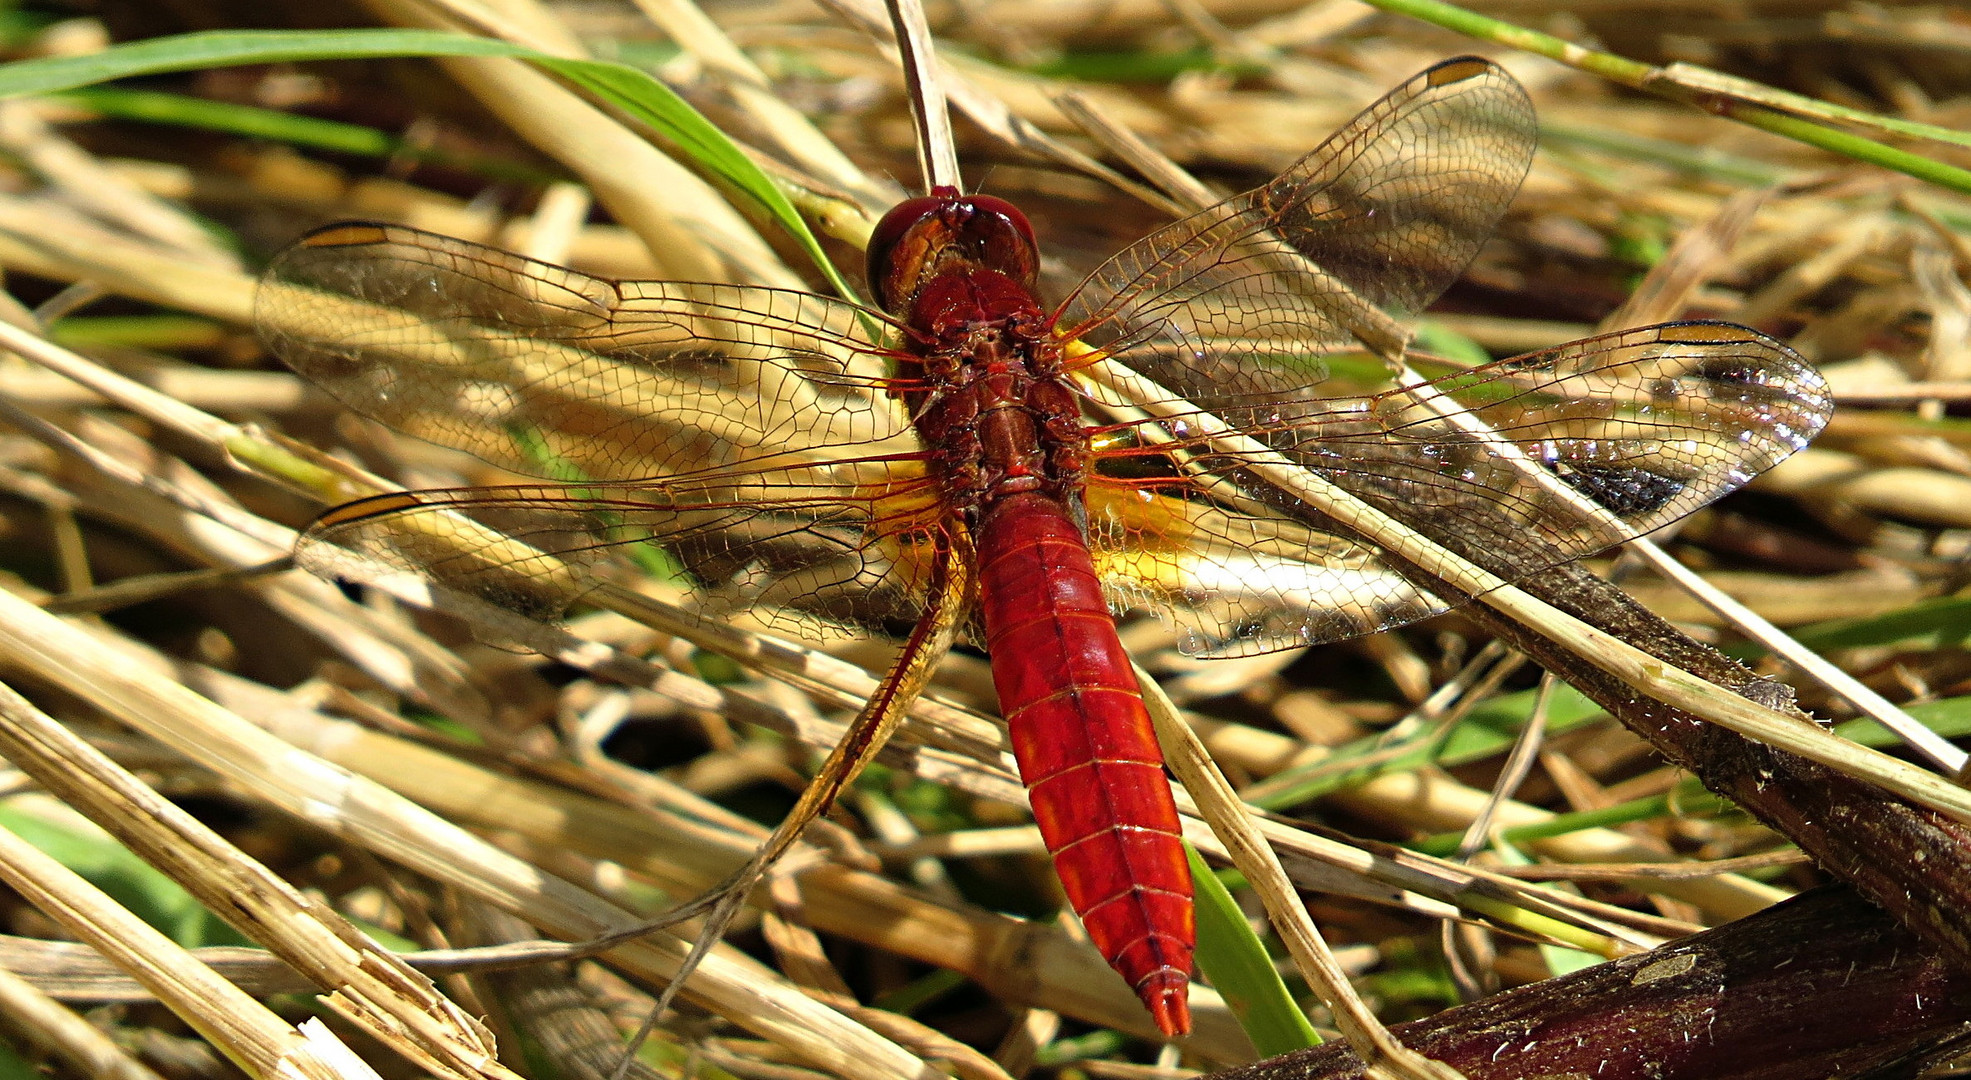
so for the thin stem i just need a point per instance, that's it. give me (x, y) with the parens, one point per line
(1847, 145)
(937, 151)
(1660, 81)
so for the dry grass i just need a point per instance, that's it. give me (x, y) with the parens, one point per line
(364, 765)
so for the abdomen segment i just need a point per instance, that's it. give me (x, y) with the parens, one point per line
(1086, 748)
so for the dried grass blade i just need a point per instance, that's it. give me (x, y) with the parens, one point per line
(688, 25)
(44, 1025)
(991, 113)
(252, 1037)
(937, 150)
(398, 829)
(366, 983)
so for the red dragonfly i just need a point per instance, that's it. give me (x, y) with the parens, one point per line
(832, 467)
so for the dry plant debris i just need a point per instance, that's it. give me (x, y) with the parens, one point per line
(344, 769)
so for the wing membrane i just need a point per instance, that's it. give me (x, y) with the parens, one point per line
(553, 373)
(1516, 466)
(1570, 450)
(1238, 583)
(1239, 303)
(810, 564)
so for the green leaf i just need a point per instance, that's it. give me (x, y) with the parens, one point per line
(1703, 160)
(1236, 962)
(181, 110)
(1933, 623)
(1089, 1047)
(653, 103)
(1689, 797)
(1433, 336)
(921, 991)
(125, 878)
(1493, 724)
(1949, 717)
(1560, 959)
(229, 48)
(138, 331)
(1488, 729)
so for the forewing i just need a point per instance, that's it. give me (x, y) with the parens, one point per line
(1240, 302)
(1516, 466)
(553, 373)
(818, 566)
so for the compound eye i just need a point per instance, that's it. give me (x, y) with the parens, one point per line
(900, 246)
(1006, 212)
(999, 237)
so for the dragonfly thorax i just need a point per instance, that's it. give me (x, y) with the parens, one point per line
(996, 414)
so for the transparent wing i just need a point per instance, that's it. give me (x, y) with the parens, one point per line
(1234, 582)
(743, 442)
(553, 373)
(1239, 303)
(819, 565)
(1516, 466)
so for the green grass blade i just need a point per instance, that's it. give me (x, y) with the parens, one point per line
(1236, 962)
(1850, 146)
(1678, 85)
(180, 110)
(1942, 623)
(1560, 959)
(1702, 160)
(138, 332)
(1435, 337)
(1687, 798)
(1705, 80)
(1949, 717)
(656, 105)
(140, 887)
(229, 48)
(1489, 728)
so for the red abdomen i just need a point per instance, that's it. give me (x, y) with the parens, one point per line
(1086, 748)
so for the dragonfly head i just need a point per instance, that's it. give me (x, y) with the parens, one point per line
(944, 231)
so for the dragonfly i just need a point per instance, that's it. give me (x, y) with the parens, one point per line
(835, 468)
